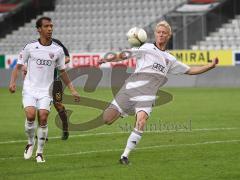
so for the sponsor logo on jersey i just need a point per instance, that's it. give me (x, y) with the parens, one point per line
(44, 62)
(158, 67)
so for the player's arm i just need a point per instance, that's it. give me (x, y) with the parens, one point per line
(69, 84)
(14, 76)
(24, 71)
(23, 56)
(201, 69)
(64, 76)
(67, 59)
(109, 57)
(126, 54)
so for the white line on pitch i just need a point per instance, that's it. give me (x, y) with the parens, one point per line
(141, 148)
(110, 133)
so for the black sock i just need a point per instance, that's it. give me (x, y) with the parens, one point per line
(63, 117)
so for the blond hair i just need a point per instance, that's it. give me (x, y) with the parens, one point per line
(164, 24)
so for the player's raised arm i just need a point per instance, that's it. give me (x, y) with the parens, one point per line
(14, 76)
(201, 69)
(110, 57)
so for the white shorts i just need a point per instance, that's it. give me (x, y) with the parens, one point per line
(37, 99)
(138, 93)
(129, 111)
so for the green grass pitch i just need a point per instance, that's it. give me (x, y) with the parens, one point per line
(195, 136)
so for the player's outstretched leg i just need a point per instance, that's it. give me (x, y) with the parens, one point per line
(30, 131)
(63, 116)
(135, 136)
(110, 115)
(42, 133)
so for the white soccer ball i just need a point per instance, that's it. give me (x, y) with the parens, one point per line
(136, 36)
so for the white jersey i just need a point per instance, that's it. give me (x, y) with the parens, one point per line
(140, 90)
(150, 59)
(41, 62)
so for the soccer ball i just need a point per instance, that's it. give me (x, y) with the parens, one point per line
(136, 36)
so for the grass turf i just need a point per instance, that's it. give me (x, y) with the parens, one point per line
(173, 149)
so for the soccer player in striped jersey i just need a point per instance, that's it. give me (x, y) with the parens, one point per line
(42, 57)
(138, 94)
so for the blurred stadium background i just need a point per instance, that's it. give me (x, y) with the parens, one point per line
(202, 30)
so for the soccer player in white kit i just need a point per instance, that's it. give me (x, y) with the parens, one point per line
(139, 91)
(42, 57)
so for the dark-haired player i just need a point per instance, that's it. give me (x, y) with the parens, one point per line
(42, 57)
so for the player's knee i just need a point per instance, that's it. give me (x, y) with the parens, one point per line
(107, 119)
(59, 106)
(30, 113)
(42, 122)
(43, 118)
(30, 116)
(109, 116)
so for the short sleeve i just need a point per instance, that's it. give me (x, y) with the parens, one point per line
(178, 68)
(23, 56)
(60, 64)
